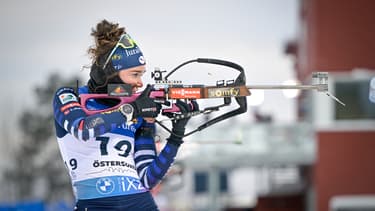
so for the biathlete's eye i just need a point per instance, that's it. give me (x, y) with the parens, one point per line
(138, 74)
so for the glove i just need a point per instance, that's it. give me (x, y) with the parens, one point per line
(146, 130)
(178, 125)
(144, 106)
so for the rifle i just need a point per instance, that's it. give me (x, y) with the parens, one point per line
(165, 91)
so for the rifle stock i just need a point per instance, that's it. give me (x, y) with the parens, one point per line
(163, 96)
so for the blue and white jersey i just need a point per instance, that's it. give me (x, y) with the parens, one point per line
(103, 154)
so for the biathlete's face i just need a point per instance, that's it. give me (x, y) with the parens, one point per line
(133, 76)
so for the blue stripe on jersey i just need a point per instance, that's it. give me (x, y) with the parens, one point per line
(163, 159)
(141, 141)
(145, 147)
(152, 181)
(155, 169)
(108, 186)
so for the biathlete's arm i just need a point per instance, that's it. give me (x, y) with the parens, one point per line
(151, 167)
(69, 115)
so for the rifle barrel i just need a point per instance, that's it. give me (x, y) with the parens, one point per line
(282, 87)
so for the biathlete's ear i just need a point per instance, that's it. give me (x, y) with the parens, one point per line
(147, 91)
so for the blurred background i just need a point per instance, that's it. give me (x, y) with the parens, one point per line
(291, 151)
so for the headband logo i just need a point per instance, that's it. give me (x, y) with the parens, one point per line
(116, 56)
(141, 60)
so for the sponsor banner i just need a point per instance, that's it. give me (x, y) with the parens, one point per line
(185, 93)
(223, 92)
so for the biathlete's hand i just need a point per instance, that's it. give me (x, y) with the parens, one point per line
(178, 125)
(143, 106)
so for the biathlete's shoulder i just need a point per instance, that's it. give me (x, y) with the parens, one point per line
(64, 90)
(81, 90)
(65, 95)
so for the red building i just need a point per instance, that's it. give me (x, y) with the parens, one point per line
(338, 37)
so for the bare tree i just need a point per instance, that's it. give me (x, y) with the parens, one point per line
(38, 171)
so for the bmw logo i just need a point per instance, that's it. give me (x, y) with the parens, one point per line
(105, 185)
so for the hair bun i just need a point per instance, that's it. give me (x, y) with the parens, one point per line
(106, 35)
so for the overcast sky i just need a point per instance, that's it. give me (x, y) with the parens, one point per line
(42, 36)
